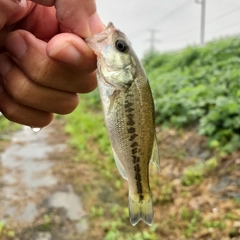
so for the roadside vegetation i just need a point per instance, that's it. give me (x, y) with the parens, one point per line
(197, 101)
(200, 85)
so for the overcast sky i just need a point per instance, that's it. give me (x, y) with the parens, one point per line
(177, 21)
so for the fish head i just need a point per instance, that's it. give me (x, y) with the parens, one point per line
(117, 60)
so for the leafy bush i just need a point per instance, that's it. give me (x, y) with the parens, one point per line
(200, 85)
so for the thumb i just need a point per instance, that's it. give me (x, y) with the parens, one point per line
(76, 16)
(80, 17)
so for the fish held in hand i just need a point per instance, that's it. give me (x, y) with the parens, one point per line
(129, 116)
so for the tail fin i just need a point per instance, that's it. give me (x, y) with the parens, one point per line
(141, 209)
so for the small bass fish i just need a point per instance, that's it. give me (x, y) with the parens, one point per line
(129, 116)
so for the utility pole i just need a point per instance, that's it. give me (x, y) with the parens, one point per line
(153, 39)
(203, 13)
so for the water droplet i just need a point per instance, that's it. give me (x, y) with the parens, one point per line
(36, 129)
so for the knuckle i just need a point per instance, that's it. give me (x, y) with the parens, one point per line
(27, 116)
(12, 112)
(69, 104)
(22, 93)
(39, 70)
(88, 84)
(17, 85)
(43, 120)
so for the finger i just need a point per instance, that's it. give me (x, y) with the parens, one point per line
(81, 17)
(28, 93)
(44, 2)
(22, 114)
(30, 55)
(12, 11)
(76, 16)
(69, 48)
(41, 22)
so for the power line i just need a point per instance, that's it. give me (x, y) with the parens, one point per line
(186, 31)
(173, 11)
(192, 28)
(195, 28)
(229, 26)
(223, 15)
(138, 32)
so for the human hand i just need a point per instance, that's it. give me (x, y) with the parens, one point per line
(43, 63)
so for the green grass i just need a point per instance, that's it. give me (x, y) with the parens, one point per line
(196, 173)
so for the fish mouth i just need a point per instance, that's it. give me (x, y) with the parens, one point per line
(108, 31)
(93, 42)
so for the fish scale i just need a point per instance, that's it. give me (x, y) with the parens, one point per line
(129, 116)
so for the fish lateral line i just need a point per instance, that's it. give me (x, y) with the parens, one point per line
(138, 178)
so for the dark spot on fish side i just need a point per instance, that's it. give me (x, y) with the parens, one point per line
(136, 159)
(137, 168)
(133, 136)
(131, 130)
(139, 186)
(130, 119)
(134, 151)
(138, 178)
(129, 109)
(130, 122)
(130, 115)
(141, 198)
(128, 104)
(134, 144)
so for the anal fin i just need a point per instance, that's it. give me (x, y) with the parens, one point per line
(119, 165)
(155, 158)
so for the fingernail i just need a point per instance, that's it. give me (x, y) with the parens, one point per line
(16, 44)
(5, 66)
(67, 54)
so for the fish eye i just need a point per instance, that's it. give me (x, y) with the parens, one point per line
(121, 45)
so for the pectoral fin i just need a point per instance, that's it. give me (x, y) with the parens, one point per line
(119, 165)
(155, 158)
